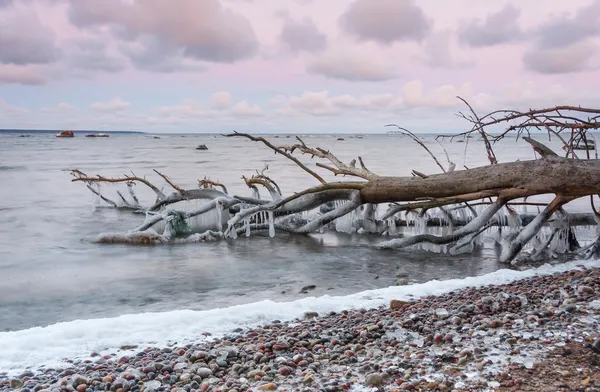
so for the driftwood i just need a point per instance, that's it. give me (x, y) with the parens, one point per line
(464, 203)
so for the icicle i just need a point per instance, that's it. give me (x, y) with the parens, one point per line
(247, 225)
(514, 221)
(219, 217)
(271, 224)
(462, 213)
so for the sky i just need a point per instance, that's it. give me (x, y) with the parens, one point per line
(299, 66)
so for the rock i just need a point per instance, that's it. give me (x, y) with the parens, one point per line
(585, 290)
(78, 379)
(82, 388)
(66, 134)
(185, 378)
(202, 147)
(311, 315)
(401, 282)
(285, 371)
(397, 304)
(586, 381)
(151, 385)
(222, 362)
(256, 372)
(596, 346)
(16, 383)
(268, 387)
(128, 347)
(204, 372)
(373, 379)
(305, 289)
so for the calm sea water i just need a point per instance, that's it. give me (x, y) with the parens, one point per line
(51, 272)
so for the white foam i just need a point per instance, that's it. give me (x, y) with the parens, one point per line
(47, 346)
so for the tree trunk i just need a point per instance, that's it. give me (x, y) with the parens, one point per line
(549, 175)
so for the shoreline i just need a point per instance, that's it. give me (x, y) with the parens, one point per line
(466, 339)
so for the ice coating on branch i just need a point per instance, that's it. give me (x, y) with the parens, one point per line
(219, 211)
(271, 224)
(347, 223)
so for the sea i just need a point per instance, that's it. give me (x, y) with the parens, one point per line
(62, 295)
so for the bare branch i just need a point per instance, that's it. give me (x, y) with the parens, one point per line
(80, 176)
(488, 146)
(339, 169)
(178, 189)
(416, 139)
(278, 151)
(207, 183)
(540, 148)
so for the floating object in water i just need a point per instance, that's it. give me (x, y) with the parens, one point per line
(340, 138)
(202, 147)
(66, 134)
(97, 135)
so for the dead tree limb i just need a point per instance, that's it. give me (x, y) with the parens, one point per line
(168, 181)
(80, 176)
(207, 183)
(414, 137)
(449, 196)
(340, 167)
(278, 151)
(479, 125)
(510, 250)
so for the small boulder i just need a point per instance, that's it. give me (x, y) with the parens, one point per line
(305, 289)
(204, 372)
(268, 387)
(397, 304)
(66, 134)
(373, 379)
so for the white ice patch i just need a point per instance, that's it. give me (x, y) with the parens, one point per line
(47, 346)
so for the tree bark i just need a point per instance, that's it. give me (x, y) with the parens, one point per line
(550, 175)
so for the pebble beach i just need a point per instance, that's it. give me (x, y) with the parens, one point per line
(536, 334)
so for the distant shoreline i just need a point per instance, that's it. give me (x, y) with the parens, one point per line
(54, 131)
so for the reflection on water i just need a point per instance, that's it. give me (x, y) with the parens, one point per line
(51, 272)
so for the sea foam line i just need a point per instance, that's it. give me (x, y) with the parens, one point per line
(48, 346)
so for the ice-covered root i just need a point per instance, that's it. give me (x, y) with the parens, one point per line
(473, 227)
(260, 228)
(207, 236)
(512, 246)
(218, 204)
(151, 237)
(148, 237)
(324, 219)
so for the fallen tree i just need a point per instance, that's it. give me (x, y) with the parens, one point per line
(463, 204)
